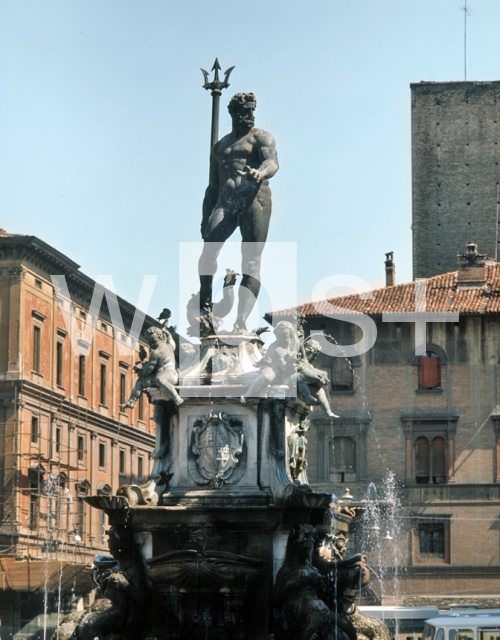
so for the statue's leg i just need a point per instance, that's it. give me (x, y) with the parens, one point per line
(303, 390)
(323, 401)
(260, 384)
(220, 226)
(134, 396)
(254, 225)
(165, 384)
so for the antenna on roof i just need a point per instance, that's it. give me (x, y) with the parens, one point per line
(466, 13)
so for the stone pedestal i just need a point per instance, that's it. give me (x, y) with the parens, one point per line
(218, 536)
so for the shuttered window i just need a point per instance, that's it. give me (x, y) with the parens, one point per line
(422, 460)
(429, 371)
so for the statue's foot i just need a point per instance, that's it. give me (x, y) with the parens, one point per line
(128, 405)
(330, 414)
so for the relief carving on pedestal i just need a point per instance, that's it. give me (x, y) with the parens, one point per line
(217, 453)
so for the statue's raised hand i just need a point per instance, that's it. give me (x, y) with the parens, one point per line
(251, 174)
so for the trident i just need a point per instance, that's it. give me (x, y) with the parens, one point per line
(216, 87)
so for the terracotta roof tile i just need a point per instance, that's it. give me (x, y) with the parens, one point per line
(443, 293)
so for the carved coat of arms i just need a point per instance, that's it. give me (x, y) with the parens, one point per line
(217, 453)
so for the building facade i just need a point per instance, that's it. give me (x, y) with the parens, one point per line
(62, 433)
(455, 171)
(433, 421)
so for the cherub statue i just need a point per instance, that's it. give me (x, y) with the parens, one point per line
(279, 365)
(315, 379)
(159, 371)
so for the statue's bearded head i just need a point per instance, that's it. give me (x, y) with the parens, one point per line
(241, 108)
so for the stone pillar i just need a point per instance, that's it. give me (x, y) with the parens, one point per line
(431, 481)
(451, 452)
(361, 459)
(410, 455)
(17, 275)
(496, 422)
(114, 466)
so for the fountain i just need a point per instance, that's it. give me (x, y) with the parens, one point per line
(227, 539)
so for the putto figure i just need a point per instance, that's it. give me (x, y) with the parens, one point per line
(238, 195)
(159, 371)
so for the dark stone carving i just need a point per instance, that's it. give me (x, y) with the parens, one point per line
(203, 570)
(205, 591)
(303, 599)
(238, 194)
(302, 496)
(217, 453)
(123, 611)
(368, 628)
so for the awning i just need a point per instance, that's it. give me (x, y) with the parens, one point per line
(33, 575)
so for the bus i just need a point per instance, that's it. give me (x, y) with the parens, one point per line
(471, 625)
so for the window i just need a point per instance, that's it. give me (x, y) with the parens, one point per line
(37, 337)
(343, 460)
(489, 633)
(429, 371)
(104, 327)
(141, 407)
(83, 315)
(103, 383)
(58, 440)
(38, 283)
(102, 455)
(123, 388)
(430, 460)
(35, 426)
(82, 490)
(81, 375)
(431, 540)
(140, 466)
(59, 363)
(122, 462)
(81, 448)
(33, 506)
(461, 634)
(341, 375)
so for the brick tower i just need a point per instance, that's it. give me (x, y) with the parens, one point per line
(455, 172)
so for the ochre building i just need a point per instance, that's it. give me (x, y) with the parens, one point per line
(62, 434)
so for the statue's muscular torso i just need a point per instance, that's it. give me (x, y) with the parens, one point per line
(233, 155)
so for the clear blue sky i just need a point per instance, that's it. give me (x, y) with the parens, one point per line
(104, 127)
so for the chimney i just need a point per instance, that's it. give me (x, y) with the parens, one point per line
(390, 269)
(471, 272)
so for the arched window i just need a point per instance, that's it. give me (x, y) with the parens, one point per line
(429, 371)
(422, 461)
(430, 460)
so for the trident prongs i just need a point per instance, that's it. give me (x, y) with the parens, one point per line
(216, 85)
